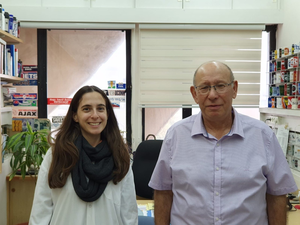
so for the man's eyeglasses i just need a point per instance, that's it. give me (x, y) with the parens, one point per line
(219, 88)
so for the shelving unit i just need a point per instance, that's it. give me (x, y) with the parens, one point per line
(284, 82)
(6, 111)
(288, 117)
(284, 99)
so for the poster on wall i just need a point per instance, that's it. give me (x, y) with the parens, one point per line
(59, 101)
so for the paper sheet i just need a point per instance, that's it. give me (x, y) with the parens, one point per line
(283, 137)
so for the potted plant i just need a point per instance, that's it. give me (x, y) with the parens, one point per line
(27, 148)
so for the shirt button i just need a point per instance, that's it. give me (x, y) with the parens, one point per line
(217, 219)
(218, 145)
(217, 168)
(217, 193)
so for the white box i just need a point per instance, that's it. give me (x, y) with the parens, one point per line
(297, 142)
(292, 138)
(297, 151)
(290, 150)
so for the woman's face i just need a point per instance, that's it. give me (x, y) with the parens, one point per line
(91, 116)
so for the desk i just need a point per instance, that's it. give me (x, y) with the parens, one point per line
(144, 202)
(293, 216)
(145, 207)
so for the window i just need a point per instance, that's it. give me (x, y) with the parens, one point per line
(169, 58)
(84, 57)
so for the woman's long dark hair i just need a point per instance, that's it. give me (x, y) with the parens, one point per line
(65, 154)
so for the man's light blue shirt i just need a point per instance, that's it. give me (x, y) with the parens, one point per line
(221, 181)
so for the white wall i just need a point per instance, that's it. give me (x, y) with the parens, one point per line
(145, 11)
(3, 210)
(288, 33)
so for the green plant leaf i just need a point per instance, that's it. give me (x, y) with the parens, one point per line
(28, 140)
(12, 175)
(13, 140)
(18, 147)
(23, 170)
(44, 145)
(38, 160)
(29, 129)
(17, 159)
(32, 149)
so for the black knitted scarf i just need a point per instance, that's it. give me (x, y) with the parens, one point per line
(93, 170)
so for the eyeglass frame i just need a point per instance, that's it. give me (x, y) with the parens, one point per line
(214, 86)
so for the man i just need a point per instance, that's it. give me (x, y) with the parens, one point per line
(220, 167)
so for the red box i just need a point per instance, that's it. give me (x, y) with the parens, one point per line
(285, 90)
(282, 75)
(283, 67)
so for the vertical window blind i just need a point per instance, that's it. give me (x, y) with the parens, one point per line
(169, 58)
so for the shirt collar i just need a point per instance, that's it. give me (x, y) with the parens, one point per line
(237, 128)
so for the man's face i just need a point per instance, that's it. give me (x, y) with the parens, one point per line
(214, 106)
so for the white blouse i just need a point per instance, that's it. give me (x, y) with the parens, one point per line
(116, 206)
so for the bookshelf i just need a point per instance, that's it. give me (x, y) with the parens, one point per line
(6, 111)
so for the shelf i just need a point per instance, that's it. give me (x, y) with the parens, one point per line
(284, 96)
(285, 83)
(284, 112)
(9, 78)
(287, 69)
(285, 57)
(10, 39)
(6, 109)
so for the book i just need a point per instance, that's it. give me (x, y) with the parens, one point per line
(2, 58)
(11, 49)
(8, 62)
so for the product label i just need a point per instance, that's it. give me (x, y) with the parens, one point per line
(24, 96)
(24, 103)
(57, 119)
(19, 112)
(59, 101)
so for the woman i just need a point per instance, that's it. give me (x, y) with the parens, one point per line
(86, 178)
